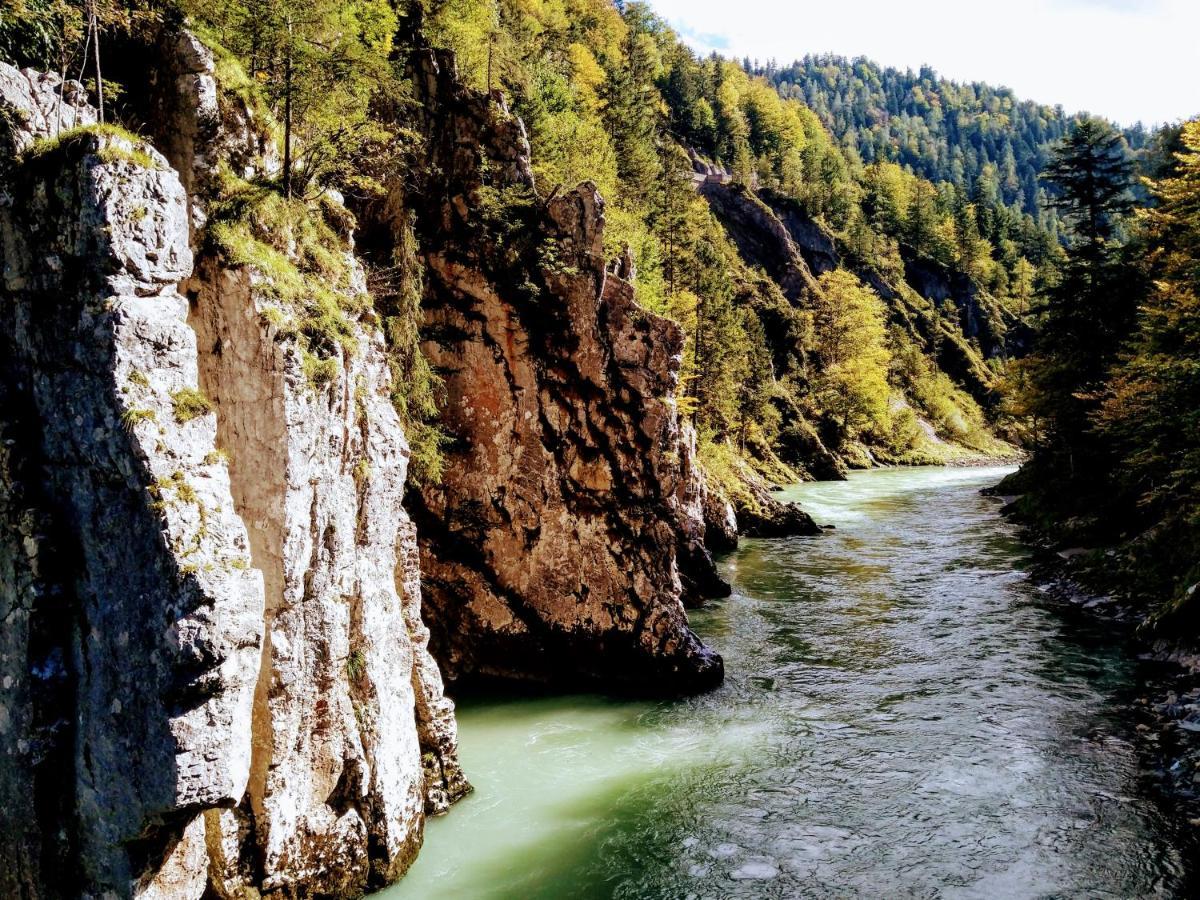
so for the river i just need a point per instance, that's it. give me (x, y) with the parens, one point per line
(902, 717)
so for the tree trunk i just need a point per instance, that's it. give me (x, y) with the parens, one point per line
(95, 25)
(287, 123)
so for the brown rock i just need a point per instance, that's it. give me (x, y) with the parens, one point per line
(550, 548)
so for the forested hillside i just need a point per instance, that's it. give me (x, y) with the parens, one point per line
(981, 139)
(784, 365)
(1112, 391)
(354, 353)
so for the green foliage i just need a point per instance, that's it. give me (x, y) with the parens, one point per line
(320, 371)
(1114, 389)
(1150, 406)
(852, 380)
(356, 666)
(304, 265)
(320, 66)
(1091, 309)
(974, 137)
(170, 492)
(48, 34)
(188, 403)
(415, 387)
(39, 32)
(953, 413)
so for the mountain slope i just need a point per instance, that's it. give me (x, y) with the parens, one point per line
(973, 135)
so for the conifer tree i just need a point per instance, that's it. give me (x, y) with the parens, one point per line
(1091, 310)
(1151, 407)
(321, 63)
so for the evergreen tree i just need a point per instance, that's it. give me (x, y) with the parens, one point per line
(321, 63)
(1151, 407)
(1091, 310)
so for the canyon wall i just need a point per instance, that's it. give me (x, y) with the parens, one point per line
(216, 675)
(215, 672)
(551, 548)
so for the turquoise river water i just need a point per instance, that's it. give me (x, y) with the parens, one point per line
(902, 717)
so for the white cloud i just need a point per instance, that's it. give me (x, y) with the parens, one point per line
(1127, 60)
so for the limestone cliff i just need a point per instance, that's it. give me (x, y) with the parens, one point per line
(551, 548)
(215, 675)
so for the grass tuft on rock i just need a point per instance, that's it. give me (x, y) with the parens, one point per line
(132, 418)
(99, 138)
(188, 404)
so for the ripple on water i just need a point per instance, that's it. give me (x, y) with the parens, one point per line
(901, 718)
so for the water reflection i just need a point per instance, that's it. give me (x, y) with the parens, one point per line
(902, 718)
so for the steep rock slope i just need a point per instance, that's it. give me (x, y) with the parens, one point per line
(551, 548)
(941, 312)
(215, 674)
(913, 302)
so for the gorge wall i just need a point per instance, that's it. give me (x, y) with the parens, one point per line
(220, 623)
(549, 548)
(215, 674)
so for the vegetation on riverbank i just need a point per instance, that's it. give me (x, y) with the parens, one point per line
(806, 376)
(1113, 390)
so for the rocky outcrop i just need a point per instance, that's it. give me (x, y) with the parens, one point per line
(214, 674)
(701, 512)
(550, 547)
(815, 244)
(161, 611)
(720, 522)
(979, 316)
(762, 239)
(336, 792)
(769, 517)
(37, 105)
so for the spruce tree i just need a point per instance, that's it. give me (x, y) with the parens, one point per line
(1092, 308)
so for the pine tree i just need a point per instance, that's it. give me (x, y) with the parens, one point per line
(1091, 310)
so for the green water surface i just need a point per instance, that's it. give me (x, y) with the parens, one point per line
(902, 717)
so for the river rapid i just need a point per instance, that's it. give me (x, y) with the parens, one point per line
(903, 716)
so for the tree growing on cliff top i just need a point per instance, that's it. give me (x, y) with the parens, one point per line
(320, 64)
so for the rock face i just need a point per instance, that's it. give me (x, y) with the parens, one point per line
(37, 105)
(762, 239)
(707, 525)
(165, 610)
(815, 244)
(550, 548)
(980, 317)
(214, 675)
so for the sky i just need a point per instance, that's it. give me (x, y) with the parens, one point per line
(1125, 60)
